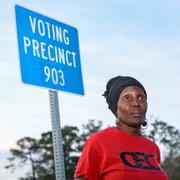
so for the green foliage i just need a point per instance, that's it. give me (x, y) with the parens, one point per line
(38, 153)
(169, 137)
(70, 137)
(172, 167)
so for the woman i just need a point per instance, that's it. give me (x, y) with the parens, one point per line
(122, 152)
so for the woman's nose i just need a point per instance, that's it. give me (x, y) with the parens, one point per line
(135, 102)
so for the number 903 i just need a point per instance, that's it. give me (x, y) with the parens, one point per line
(54, 75)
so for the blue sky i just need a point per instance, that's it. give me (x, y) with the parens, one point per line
(136, 38)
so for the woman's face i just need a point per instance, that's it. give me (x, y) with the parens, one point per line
(132, 106)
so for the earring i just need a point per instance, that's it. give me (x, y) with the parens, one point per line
(145, 124)
(117, 121)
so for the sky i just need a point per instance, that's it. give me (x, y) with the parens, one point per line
(135, 38)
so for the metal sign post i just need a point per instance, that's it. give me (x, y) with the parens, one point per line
(57, 136)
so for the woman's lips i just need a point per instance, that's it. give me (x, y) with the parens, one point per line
(136, 113)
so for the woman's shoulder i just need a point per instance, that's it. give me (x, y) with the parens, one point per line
(99, 135)
(149, 141)
(94, 141)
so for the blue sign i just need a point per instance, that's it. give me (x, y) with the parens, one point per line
(49, 52)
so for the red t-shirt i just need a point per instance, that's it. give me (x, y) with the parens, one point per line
(111, 154)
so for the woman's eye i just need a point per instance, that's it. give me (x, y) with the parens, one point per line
(127, 98)
(141, 98)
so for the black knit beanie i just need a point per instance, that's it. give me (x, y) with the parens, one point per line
(114, 88)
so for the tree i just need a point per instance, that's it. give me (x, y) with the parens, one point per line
(27, 153)
(45, 163)
(38, 153)
(70, 138)
(169, 137)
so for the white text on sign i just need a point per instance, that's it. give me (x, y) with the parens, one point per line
(48, 51)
